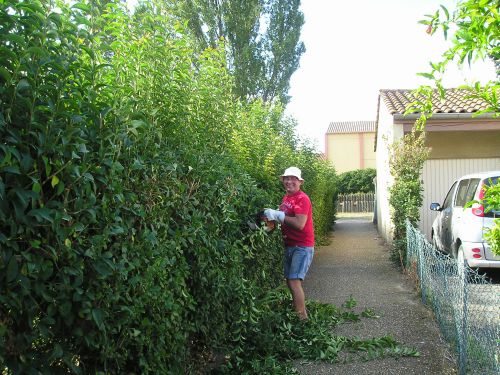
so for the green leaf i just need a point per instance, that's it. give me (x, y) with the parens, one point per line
(57, 352)
(7, 53)
(81, 6)
(31, 7)
(60, 188)
(14, 38)
(89, 51)
(13, 169)
(83, 21)
(23, 85)
(42, 214)
(56, 18)
(12, 269)
(37, 51)
(115, 230)
(2, 190)
(426, 75)
(35, 244)
(37, 188)
(98, 317)
(48, 166)
(102, 268)
(5, 74)
(446, 12)
(54, 181)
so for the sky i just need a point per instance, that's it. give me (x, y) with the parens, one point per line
(356, 48)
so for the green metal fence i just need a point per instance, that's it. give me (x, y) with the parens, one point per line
(466, 304)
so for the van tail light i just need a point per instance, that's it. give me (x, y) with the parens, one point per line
(478, 210)
(476, 253)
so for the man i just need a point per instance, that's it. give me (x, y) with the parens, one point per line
(295, 215)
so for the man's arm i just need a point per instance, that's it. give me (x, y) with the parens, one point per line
(297, 221)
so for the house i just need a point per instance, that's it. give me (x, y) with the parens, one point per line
(350, 145)
(459, 143)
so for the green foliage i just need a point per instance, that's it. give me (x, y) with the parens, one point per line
(491, 202)
(406, 162)
(357, 181)
(476, 34)
(124, 192)
(262, 38)
(476, 31)
(269, 341)
(492, 199)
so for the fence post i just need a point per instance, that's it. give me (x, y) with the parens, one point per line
(462, 324)
(421, 263)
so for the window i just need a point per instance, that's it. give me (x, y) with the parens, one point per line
(472, 189)
(447, 200)
(490, 182)
(460, 200)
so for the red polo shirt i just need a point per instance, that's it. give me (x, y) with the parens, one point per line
(298, 203)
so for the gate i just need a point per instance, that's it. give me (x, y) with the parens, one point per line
(358, 202)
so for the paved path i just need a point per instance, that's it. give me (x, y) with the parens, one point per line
(357, 263)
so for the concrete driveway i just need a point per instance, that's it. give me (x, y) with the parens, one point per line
(357, 264)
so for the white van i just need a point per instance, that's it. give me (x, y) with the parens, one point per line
(459, 231)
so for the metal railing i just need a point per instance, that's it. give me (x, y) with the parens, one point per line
(466, 304)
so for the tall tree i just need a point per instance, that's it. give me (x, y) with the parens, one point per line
(262, 39)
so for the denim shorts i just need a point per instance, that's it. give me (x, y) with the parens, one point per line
(297, 261)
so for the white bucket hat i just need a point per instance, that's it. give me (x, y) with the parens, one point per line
(292, 171)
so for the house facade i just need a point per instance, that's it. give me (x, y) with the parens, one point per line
(350, 145)
(459, 141)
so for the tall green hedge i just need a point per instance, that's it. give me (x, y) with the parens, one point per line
(127, 175)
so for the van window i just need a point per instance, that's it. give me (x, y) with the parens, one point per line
(449, 197)
(462, 193)
(490, 182)
(471, 190)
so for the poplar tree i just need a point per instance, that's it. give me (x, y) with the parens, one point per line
(261, 37)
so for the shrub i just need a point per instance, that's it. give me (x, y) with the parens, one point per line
(357, 181)
(406, 162)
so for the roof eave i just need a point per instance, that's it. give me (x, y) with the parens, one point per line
(400, 118)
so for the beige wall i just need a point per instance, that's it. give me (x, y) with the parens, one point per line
(344, 151)
(369, 152)
(464, 144)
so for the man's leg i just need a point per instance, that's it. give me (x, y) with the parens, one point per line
(299, 303)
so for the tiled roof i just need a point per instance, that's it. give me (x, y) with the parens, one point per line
(455, 101)
(351, 127)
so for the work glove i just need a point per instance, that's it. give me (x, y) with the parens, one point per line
(274, 215)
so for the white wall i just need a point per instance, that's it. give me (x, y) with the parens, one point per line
(387, 134)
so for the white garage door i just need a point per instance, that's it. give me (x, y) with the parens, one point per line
(439, 174)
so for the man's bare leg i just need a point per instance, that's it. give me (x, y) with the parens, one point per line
(299, 303)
